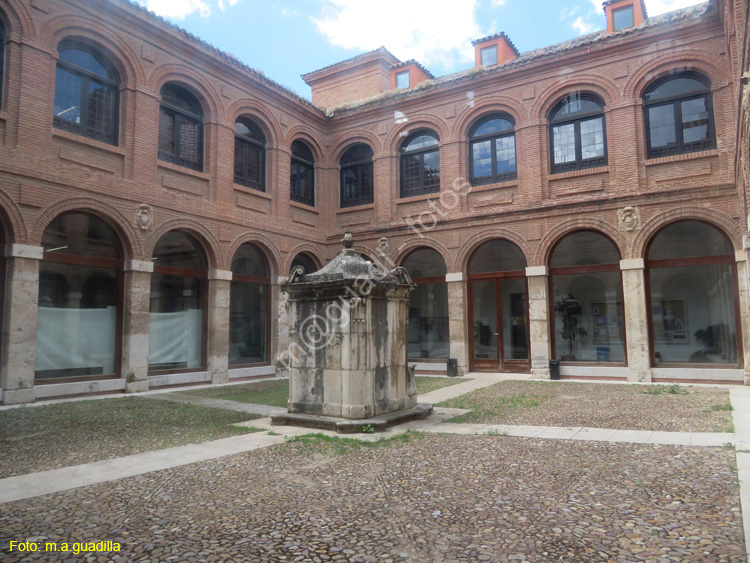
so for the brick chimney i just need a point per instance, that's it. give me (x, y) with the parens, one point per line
(622, 14)
(408, 74)
(494, 50)
(360, 77)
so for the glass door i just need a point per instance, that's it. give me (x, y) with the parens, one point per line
(485, 349)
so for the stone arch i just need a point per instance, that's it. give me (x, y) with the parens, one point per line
(265, 120)
(15, 225)
(687, 59)
(548, 242)
(591, 83)
(18, 20)
(309, 137)
(118, 51)
(196, 83)
(266, 246)
(307, 248)
(725, 224)
(341, 145)
(398, 134)
(403, 250)
(470, 246)
(202, 235)
(121, 224)
(485, 107)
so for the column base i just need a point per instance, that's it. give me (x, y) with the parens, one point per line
(219, 378)
(18, 396)
(747, 378)
(639, 375)
(136, 386)
(540, 373)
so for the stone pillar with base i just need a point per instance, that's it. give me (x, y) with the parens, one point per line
(457, 320)
(136, 320)
(743, 278)
(219, 282)
(636, 319)
(539, 322)
(19, 323)
(348, 346)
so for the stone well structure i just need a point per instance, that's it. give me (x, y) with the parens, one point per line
(348, 342)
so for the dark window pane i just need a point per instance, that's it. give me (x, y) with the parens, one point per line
(420, 142)
(166, 132)
(695, 120)
(357, 153)
(484, 313)
(101, 112)
(584, 249)
(68, 96)
(248, 323)
(575, 105)
(506, 154)
(493, 126)
(248, 129)
(564, 142)
(305, 261)
(623, 18)
(432, 171)
(86, 61)
(661, 125)
(249, 261)
(497, 256)
(592, 138)
(82, 234)
(179, 250)
(425, 263)
(189, 142)
(489, 56)
(679, 86)
(428, 322)
(482, 154)
(300, 150)
(181, 99)
(689, 239)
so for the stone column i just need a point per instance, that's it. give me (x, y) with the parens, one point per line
(279, 327)
(457, 320)
(218, 325)
(743, 279)
(539, 321)
(135, 327)
(19, 320)
(636, 319)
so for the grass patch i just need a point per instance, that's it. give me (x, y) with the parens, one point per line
(719, 408)
(498, 408)
(336, 445)
(51, 436)
(671, 389)
(429, 384)
(273, 392)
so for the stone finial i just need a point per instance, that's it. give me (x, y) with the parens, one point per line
(144, 217)
(348, 240)
(629, 219)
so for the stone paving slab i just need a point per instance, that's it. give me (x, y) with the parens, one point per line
(473, 382)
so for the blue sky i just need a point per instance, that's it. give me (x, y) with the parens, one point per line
(287, 38)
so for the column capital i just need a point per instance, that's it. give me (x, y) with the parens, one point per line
(536, 271)
(740, 255)
(633, 264)
(24, 251)
(222, 275)
(454, 277)
(139, 266)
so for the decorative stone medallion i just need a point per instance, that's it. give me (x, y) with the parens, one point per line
(629, 219)
(144, 217)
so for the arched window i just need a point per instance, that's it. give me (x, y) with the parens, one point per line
(249, 304)
(692, 277)
(86, 92)
(499, 305)
(357, 181)
(305, 261)
(492, 149)
(679, 115)
(249, 155)
(79, 309)
(586, 293)
(420, 164)
(577, 136)
(178, 319)
(428, 306)
(302, 181)
(180, 128)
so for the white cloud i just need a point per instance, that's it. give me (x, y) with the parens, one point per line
(569, 12)
(656, 7)
(434, 36)
(497, 3)
(582, 27)
(180, 9)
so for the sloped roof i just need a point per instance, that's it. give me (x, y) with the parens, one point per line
(412, 62)
(380, 52)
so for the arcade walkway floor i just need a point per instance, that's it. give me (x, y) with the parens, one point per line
(429, 495)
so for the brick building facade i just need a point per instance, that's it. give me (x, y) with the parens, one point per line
(584, 202)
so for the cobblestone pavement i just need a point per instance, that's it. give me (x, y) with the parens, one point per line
(598, 405)
(436, 498)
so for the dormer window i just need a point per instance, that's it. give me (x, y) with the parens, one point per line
(402, 80)
(623, 18)
(489, 56)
